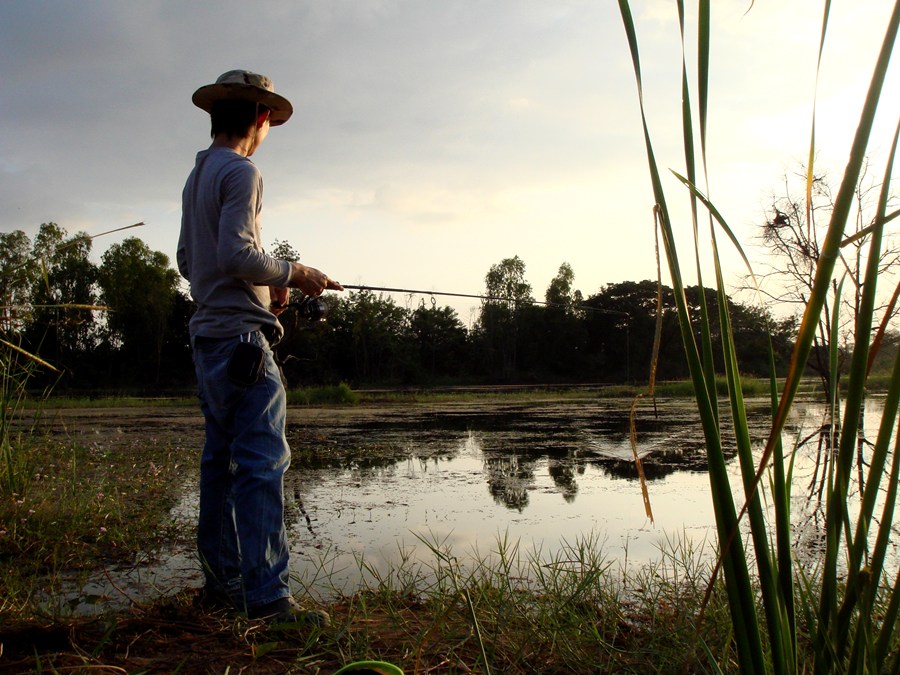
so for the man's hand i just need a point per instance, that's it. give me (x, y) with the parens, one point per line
(311, 281)
(278, 299)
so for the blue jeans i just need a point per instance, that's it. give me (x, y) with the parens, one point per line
(241, 534)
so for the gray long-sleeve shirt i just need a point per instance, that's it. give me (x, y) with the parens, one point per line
(219, 248)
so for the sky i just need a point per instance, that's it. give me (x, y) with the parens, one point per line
(430, 139)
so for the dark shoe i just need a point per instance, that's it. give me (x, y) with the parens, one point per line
(286, 610)
(213, 600)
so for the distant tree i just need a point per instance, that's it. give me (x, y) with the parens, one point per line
(621, 322)
(368, 338)
(440, 342)
(754, 329)
(284, 251)
(63, 285)
(505, 282)
(792, 238)
(17, 273)
(884, 359)
(502, 314)
(176, 361)
(294, 345)
(311, 352)
(564, 339)
(140, 289)
(560, 294)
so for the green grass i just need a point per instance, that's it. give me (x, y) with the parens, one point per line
(113, 401)
(343, 394)
(500, 610)
(340, 394)
(73, 508)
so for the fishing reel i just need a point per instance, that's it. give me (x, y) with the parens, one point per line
(310, 308)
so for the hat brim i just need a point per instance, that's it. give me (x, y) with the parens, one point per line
(281, 108)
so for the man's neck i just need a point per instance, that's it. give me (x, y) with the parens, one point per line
(241, 146)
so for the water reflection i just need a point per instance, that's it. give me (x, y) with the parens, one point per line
(515, 443)
(538, 473)
(815, 438)
(563, 471)
(375, 483)
(509, 479)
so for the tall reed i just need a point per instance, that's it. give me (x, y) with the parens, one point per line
(836, 601)
(16, 369)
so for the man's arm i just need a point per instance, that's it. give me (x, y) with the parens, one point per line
(239, 253)
(310, 280)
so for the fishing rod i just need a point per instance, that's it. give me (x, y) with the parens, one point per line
(411, 291)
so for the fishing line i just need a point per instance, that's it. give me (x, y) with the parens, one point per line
(411, 291)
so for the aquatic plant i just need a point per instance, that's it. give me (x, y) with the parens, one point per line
(837, 600)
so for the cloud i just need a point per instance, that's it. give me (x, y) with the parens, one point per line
(424, 132)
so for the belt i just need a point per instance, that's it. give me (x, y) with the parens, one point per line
(204, 340)
(268, 332)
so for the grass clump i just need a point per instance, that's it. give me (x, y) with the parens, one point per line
(340, 394)
(506, 610)
(74, 508)
(65, 507)
(509, 610)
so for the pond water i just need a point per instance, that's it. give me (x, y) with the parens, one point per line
(541, 474)
(385, 480)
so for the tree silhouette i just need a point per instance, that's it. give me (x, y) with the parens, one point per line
(63, 276)
(17, 274)
(792, 237)
(497, 329)
(140, 289)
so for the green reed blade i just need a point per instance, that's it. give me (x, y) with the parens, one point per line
(781, 496)
(858, 578)
(782, 648)
(687, 125)
(737, 578)
(882, 539)
(886, 634)
(836, 512)
(883, 326)
(811, 159)
(781, 603)
(879, 455)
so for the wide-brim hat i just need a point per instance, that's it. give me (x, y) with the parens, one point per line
(246, 86)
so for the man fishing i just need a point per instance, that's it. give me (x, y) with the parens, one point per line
(239, 290)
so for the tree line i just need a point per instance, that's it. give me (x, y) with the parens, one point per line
(122, 325)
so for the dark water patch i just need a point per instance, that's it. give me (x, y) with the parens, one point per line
(599, 435)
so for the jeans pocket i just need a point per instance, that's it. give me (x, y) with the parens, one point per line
(245, 364)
